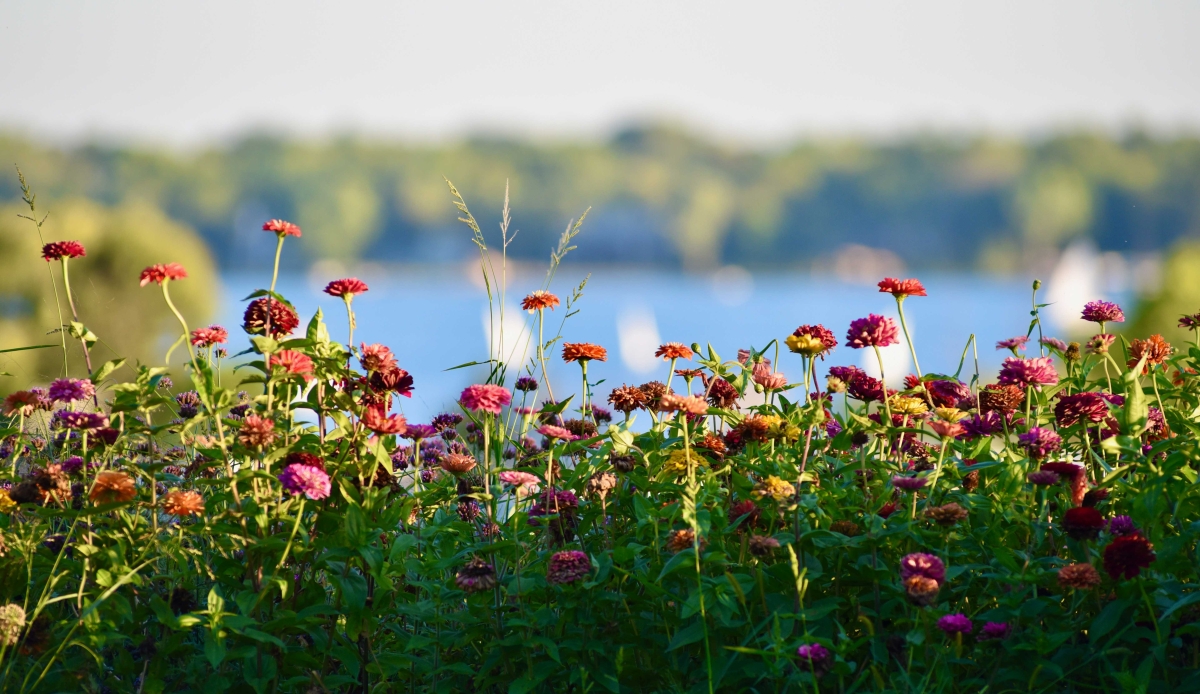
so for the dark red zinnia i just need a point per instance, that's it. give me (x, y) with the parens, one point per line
(283, 318)
(1127, 556)
(348, 286)
(63, 249)
(1083, 523)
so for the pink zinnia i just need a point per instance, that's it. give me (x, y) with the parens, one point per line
(1103, 312)
(294, 363)
(485, 397)
(309, 480)
(71, 390)
(911, 484)
(346, 287)
(552, 432)
(1027, 373)
(161, 273)
(1013, 343)
(1087, 406)
(921, 564)
(212, 335)
(568, 567)
(63, 249)
(281, 227)
(376, 357)
(768, 380)
(872, 331)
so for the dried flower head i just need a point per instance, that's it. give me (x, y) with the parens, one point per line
(1002, 398)
(872, 331)
(281, 228)
(762, 545)
(111, 486)
(673, 350)
(256, 431)
(12, 622)
(627, 398)
(1100, 344)
(1078, 576)
(720, 393)
(346, 288)
(902, 288)
(183, 503)
(583, 351)
(476, 576)
(600, 484)
(947, 514)
(162, 273)
(846, 527)
(539, 300)
(680, 540)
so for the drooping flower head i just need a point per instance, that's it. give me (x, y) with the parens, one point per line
(673, 350)
(212, 335)
(1039, 442)
(1013, 344)
(346, 288)
(12, 623)
(1190, 322)
(551, 431)
(921, 564)
(812, 340)
(526, 484)
(420, 431)
(476, 576)
(485, 398)
(25, 402)
(70, 390)
(1054, 343)
(281, 228)
(955, 624)
(1127, 555)
(1102, 312)
(162, 273)
(902, 288)
(568, 567)
(1028, 373)
(539, 300)
(283, 318)
(1099, 344)
(309, 480)
(79, 421)
(63, 249)
(873, 331)
(583, 351)
(910, 484)
(769, 380)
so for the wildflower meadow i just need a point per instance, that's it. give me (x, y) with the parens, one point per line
(272, 522)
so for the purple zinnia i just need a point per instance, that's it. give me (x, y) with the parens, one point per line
(948, 393)
(80, 421)
(832, 428)
(1039, 442)
(955, 624)
(71, 390)
(1028, 373)
(873, 331)
(1121, 525)
(978, 426)
(1103, 312)
(526, 384)
(815, 656)
(419, 431)
(921, 564)
(75, 464)
(994, 631)
(568, 567)
(911, 484)
(309, 480)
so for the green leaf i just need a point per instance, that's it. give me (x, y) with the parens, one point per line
(690, 634)
(264, 345)
(1135, 416)
(1106, 620)
(106, 369)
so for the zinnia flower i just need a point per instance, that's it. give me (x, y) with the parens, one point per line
(568, 567)
(947, 514)
(282, 317)
(293, 363)
(281, 228)
(583, 351)
(947, 430)
(525, 483)
(1121, 525)
(1042, 478)
(673, 350)
(910, 484)
(680, 540)
(689, 404)
(812, 340)
(1102, 312)
(769, 380)
(257, 432)
(1083, 523)
(1099, 344)
(309, 480)
(458, 463)
(1039, 442)
(162, 273)
(1127, 556)
(1089, 407)
(1028, 373)
(814, 658)
(1002, 398)
(70, 390)
(79, 421)
(377, 419)
(1055, 343)
(1013, 343)
(994, 631)
(212, 335)
(1078, 576)
(762, 546)
(955, 624)
(555, 432)
(921, 590)
(183, 504)
(901, 288)
(23, 402)
(921, 564)
(476, 576)
(1074, 474)
(376, 357)
(485, 398)
(346, 288)
(63, 249)
(1155, 349)
(872, 331)
(627, 398)
(111, 487)
(539, 300)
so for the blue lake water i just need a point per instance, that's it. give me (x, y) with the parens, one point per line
(436, 318)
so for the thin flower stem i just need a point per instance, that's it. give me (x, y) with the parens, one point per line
(87, 357)
(887, 408)
(907, 337)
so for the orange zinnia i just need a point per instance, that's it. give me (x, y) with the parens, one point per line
(1155, 349)
(183, 504)
(538, 300)
(674, 350)
(113, 486)
(583, 351)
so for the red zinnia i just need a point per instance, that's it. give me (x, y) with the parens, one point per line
(212, 335)
(902, 288)
(346, 287)
(161, 273)
(1127, 556)
(63, 249)
(282, 228)
(282, 317)
(1083, 522)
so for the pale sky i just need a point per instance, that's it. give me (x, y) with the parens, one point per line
(191, 72)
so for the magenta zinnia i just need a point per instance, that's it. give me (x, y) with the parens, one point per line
(873, 331)
(346, 287)
(71, 390)
(485, 398)
(1087, 407)
(309, 480)
(1028, 373)
(1103, 312)
(955, 624)
(921, 564)
(1039, 442)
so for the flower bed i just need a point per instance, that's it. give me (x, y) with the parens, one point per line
(1033, 534)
